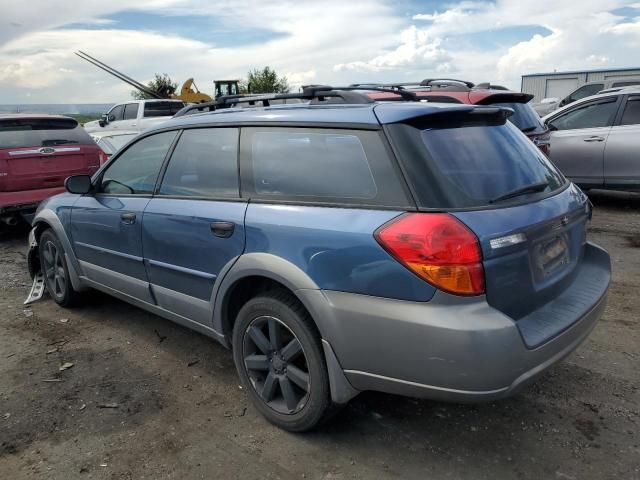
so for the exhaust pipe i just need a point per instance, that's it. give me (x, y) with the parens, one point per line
(11, 220)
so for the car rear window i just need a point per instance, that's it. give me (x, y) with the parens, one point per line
(471, 166)
(41, 132)
(524, 116)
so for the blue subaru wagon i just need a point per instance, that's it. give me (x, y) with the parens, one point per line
(420, 249)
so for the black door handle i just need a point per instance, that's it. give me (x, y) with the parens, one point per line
(128, 218)
(223, 229)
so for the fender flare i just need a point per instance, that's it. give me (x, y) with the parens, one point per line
(261, 265)
(46, 218)
(305, 290)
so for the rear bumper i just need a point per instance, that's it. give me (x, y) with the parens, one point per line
(25, 199)
(453, 348)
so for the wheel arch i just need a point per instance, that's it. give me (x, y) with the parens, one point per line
(257, 272)
(252, 273)
(47, 219)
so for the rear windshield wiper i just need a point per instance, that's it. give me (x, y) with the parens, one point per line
(532, 188)
(529, 129)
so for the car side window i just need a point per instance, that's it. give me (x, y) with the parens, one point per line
(586, 91)
(116, 113)
(631, 114)
(319, 165)
(311, 165)
(162, 109)
(136, 170)
(204, 164)
(596, 114)
(131, 111)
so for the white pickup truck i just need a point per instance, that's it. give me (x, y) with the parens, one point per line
(135, 116)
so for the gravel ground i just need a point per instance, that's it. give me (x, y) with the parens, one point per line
(145, 398)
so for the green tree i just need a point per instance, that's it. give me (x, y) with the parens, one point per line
(161, 83)
(264, 80)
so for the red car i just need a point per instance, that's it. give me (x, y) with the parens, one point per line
(460, 91)
(37, 154)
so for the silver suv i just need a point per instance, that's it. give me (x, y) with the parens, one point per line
(595, 141)
(549, 105)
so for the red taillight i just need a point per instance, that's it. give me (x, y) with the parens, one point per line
(437, 247)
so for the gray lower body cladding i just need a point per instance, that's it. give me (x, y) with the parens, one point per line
(451, 348)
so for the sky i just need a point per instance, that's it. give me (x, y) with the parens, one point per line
(330, 42)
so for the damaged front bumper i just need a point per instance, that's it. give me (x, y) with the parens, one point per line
(35, 271)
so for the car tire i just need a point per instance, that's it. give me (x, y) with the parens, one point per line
(56, 273)
(277, 352)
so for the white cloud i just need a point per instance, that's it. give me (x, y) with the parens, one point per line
(297, 79)
(582, 35)
(417, 50)
(330, 42)
(315, 38)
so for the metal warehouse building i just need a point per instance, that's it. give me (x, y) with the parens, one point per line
(560, 84)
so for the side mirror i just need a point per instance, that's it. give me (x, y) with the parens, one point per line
(103, 120)
(79, 184)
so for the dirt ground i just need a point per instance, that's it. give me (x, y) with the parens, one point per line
(145, 398)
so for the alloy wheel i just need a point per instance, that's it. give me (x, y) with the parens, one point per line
(276, 365)
(54, 269)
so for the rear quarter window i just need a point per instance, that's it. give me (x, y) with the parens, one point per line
(318, 165)
(41, 132)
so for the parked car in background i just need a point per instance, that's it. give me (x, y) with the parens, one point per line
(136, 115)
(111, 142)
(460, 91)
(37, 154)
(546, 106)
(596, 141)
(549, 105)
(414, 248)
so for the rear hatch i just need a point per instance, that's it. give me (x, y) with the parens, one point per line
(41, 152)
(529, 220)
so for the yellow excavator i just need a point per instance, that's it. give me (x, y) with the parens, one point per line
(189, 92)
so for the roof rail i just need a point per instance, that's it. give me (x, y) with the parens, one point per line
(393, 85)
(349, 94)
(450, 83)
(490, 86)
(428, 82)
(619, 89)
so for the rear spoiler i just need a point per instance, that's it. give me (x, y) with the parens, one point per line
(454, 115)
(506, 97)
